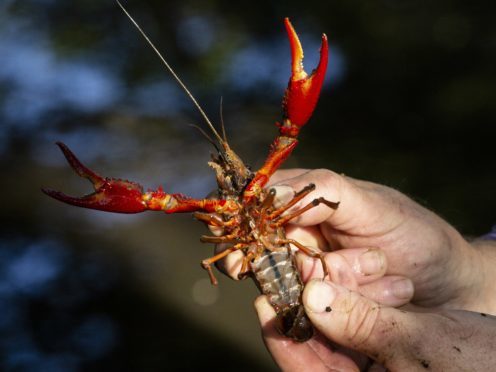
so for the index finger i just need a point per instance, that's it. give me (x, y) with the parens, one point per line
(365, 208)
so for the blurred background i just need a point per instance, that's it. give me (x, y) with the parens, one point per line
(409, 102)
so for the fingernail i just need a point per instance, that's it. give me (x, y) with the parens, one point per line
(402, 288)
(371, 262)
(283, 195)
(320, 296)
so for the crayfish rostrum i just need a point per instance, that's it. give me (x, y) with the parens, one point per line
(244, 208)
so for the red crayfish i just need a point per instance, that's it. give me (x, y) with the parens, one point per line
(244, 208)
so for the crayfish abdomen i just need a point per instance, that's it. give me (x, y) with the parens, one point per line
(278, 278)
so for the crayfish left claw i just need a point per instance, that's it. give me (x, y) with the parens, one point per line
(111, 195)
(303, 90)
(299, 101)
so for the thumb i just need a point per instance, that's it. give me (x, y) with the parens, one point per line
(356, 322)
(399, 340)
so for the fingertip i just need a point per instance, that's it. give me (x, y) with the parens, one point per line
(266, 317)
(371, 262)
(309, 236)
(309, 268)
(403, 289)
(231, 264)
(391, 290)
(318, 296)
(216, 230)
(284, 194)
(368, 264)
(340, 271)
(265, 311)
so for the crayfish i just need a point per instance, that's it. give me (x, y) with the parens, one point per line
(244, 208)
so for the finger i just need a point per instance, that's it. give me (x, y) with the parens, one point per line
(325, 187)
(289, 355)
(402, 341)
(216, 230)
(340, 271)
(391, 290)
(309, 236)
(362, 264)
(368, 264)
(232, 263)
(355, 321)
(284, 174)
(360, 202)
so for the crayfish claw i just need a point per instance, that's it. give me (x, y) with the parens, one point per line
(79, 168)
(303, 90)
(111, 195)
(65, 198)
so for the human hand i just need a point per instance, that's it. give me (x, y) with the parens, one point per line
(445, 269)
(415, 243)
(396, 339)
(418, 244)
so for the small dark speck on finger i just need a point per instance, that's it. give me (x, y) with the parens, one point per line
(424, 363)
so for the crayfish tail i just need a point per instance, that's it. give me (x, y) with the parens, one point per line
(293, 322)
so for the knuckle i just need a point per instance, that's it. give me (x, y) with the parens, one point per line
(362, 320)
(340, 271)
(325, 174)
(328, 178)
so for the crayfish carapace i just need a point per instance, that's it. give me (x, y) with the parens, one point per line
(244, 208)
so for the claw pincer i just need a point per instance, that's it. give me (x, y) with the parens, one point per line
(111, 195)
(303, 90)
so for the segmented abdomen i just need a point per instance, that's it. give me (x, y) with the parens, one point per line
(278, 278)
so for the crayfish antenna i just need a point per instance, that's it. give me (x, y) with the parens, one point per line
(166, 64)
(204, 134)
(222, 120)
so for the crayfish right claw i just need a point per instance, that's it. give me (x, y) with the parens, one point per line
(110, 195)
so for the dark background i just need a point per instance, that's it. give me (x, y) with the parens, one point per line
(409, 102)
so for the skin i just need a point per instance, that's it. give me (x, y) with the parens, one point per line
(387, 251)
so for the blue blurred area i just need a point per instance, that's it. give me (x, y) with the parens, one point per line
(41, 291)
(38, 81)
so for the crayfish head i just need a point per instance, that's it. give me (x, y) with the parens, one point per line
(231, 173)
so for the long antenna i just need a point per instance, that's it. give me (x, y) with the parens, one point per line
(188, 93)
(222, 121)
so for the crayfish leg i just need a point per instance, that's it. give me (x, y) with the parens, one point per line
(231, 238)
(245, 271)
(314, 203)
(210, 219)
(207, 263)
(308, 251)
(296, 198)
(213, 219)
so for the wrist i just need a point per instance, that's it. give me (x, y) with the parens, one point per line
(485, 250)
